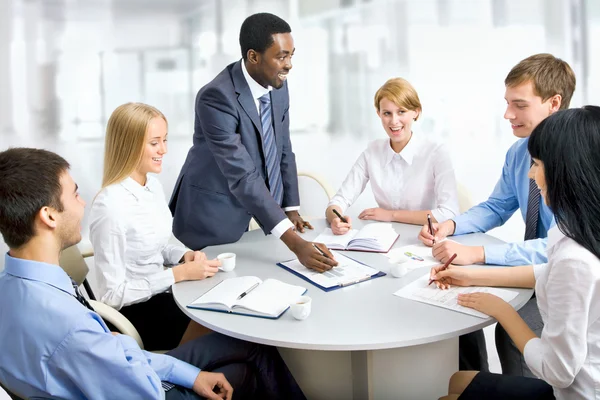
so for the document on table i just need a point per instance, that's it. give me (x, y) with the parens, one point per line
(420, 291)
(419, 255)
(347, 272)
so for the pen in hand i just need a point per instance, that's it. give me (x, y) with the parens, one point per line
(320, 251)
(241, 296)
(444, 267)
(430, 227)
(344, 220)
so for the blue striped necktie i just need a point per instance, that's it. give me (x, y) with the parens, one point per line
(270, 149)
(533, 210)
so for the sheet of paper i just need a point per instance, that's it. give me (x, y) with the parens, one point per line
(419, 255)
(347, 271)
(420, 291)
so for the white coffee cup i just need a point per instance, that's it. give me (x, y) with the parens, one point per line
(398, 266)
(301, 307)
(227, 261)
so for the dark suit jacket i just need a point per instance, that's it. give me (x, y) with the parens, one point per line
(223, 181)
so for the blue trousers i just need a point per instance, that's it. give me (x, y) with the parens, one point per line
(255, 371)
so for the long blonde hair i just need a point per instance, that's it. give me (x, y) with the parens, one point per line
(124, 142)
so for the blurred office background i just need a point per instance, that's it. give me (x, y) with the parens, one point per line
(66, 64)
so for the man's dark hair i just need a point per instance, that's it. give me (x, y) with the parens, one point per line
(29, 180)
(257, 32)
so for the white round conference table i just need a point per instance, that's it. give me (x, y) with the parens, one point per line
(361, 341)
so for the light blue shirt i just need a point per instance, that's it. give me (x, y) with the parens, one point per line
(510, 194)
(53, 346)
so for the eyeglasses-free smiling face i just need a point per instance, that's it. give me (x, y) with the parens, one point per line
(274, 64)
(525, 110)
(155, 147)
(396, 121)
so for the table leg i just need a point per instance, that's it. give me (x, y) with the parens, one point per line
(413, 373)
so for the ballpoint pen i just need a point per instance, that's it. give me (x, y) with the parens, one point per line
(444, 267)
(241, 296)
(430, 227)
(320, 251)
(344, 220)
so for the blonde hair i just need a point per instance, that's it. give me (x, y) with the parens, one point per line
(400, 92)
(549, 75)
(124, 142)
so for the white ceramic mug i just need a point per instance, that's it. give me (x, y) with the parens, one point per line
(301, 307)
(398, 266)
(227, 261)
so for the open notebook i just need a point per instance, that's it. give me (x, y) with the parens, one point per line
(376, 237)
(269, 298)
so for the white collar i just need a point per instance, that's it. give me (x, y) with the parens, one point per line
(407, 153)
(256, 89)
(132, 186)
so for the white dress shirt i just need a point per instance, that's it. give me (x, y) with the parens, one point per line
(258, 91)
(130, 227)
(420, 177)
(567, 355)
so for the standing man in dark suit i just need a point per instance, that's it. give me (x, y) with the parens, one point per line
(242, 164)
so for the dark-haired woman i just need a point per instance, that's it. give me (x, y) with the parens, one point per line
(566, 358)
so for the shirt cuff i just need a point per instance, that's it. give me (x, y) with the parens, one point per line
(532, 353)
(282, 227)
(177, 254)
(183, 374)
(162, 281)
(494, 254)
(294, 208)
(459, 226)
(336, 202)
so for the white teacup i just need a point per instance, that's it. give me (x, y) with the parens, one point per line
(227, 261)
(301, 308)
(398, 266)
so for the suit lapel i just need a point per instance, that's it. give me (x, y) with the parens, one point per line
(244, 95)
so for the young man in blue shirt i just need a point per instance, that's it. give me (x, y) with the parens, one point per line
(535, 88)
(52, 344)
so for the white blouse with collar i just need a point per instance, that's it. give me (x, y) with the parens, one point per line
(420, 177)
(130, 227)
(567, 355)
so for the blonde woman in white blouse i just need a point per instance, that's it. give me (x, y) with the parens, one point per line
(130, 228)
(566, 356)
(411, 176)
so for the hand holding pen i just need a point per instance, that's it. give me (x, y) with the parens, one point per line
(445, 266)
(340, 225)
(325, 253)
(430, 227)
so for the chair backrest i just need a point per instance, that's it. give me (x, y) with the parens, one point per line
(73, 263)
(315, 194)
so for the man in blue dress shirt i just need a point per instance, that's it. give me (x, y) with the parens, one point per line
(52, 345)
(535, 88)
